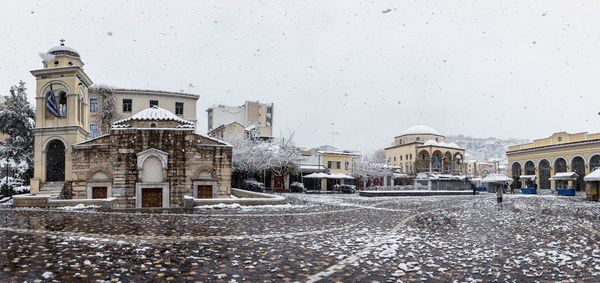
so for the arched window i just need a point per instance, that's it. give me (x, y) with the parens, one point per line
(560, 165)
(578, 166)
(516, 174)
(62, 104)
(544, 174)
(595, 162)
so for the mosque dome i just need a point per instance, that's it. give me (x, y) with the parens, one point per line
(420, 130)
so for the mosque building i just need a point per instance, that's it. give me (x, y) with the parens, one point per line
(422, 149)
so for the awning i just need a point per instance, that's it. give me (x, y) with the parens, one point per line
(340, 176)
(528, 177)
(593, 177)
(496, 178)
(328, 176)
(564, 176)
(312, 168)
(400, 176)
(316, 175)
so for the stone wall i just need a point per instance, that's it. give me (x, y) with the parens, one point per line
(189, 154)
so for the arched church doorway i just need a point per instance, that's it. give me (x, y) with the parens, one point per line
(55, 161)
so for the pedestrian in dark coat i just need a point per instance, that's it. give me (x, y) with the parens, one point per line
(512, 188)
(474, 188)
(499, 193)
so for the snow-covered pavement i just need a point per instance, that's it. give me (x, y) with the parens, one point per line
(313, 238)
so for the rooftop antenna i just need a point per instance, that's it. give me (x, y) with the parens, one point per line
(333, 134)
(62, 42)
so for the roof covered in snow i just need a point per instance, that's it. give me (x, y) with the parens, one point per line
(61, 49)
(420, 130)
(496, 178)
(565, 176)
(594, 176)
(442, 144)
(528, 177)
(155, 113)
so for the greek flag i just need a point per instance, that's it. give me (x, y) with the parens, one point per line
(51, 105)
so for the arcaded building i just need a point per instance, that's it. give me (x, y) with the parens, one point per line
(421, 148)
(560, 153)
(151, 159)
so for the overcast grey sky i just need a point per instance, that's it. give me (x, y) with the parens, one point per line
(366, 70)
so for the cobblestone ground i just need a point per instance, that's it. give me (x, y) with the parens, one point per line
(313, 238)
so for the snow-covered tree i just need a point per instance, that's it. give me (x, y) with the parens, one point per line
(284, 158)
(369, 169)
(378, 156)
(248, 156)
(17, 120)
(253, 156)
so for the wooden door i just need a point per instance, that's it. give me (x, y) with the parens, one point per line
(99, 192)
(205, 191)
(277, 182)
(152, 197)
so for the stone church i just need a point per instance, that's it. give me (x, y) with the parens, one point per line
(150, 159)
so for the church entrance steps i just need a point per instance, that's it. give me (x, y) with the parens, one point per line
(51, 188)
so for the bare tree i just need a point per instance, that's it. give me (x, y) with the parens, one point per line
(107, 112)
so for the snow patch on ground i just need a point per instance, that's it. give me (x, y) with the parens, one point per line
(47, 275)
(79, 207)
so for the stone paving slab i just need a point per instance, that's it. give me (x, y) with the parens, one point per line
(315, 238)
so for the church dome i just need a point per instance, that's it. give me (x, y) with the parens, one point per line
(420, 130)
(63, 50)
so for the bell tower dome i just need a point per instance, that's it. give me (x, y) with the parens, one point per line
(61, 116)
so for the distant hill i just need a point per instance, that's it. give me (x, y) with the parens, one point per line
(484, 148)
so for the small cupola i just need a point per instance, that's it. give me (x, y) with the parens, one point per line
(61, 56)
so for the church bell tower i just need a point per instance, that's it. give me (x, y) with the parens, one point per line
(61, 119)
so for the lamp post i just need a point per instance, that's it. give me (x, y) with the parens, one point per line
(6, 164)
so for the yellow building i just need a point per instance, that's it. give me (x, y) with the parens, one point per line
(423, 149)
(62, 73)
(343, 162)
(130, 101)
(561, 152)
(255, 116)
(233, 130)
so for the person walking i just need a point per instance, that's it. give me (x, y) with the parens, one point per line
(512, 188)
(499, 193)
(473, 187)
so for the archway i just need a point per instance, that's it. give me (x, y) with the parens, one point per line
(423, 161)
(529, 170)
(516, 174)
(448, 162)
(594, 162)
(55, 161)
(544, 168)
(560, 165)
(436, 161)
(578, 166)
